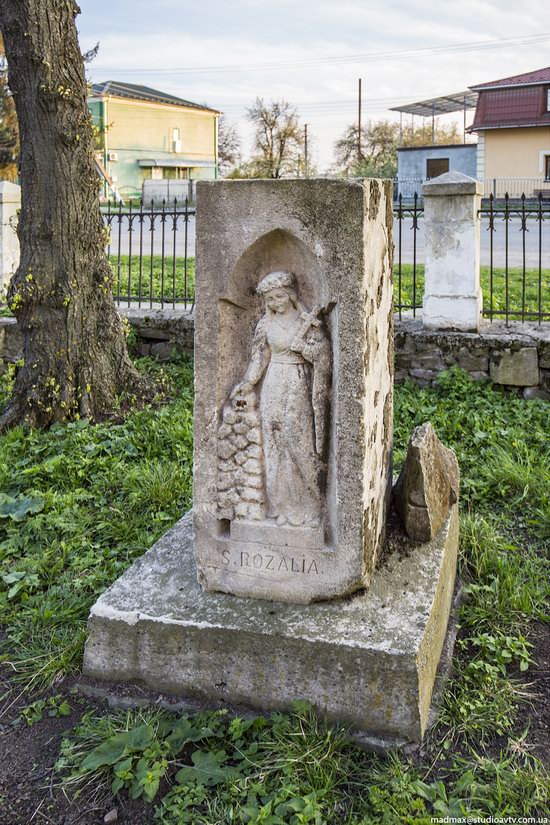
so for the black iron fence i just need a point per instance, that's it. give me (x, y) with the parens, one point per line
(152, 254)
(408, 260)
(151, 250)
(516, 278)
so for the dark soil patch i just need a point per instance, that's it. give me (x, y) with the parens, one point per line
(534, 717)
(27, 757)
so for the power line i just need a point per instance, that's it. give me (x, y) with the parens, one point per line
(485, 45)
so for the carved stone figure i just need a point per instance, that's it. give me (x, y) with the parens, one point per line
(290, 365)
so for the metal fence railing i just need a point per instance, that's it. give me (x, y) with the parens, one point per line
(152, 254)
(498, 188)
(516, 277)
(408, 239)
(151, 249)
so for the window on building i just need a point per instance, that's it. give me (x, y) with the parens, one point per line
(547, 167)
(436, 167)
(175, 134)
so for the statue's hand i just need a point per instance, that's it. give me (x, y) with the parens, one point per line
(244, 388)
(297, 345)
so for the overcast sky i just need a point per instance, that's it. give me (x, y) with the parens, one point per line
(225, 53)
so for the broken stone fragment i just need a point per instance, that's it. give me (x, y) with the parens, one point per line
(427, 486)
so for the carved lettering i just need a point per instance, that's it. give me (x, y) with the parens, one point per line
(265, 561)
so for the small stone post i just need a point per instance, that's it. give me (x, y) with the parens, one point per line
(452, 293)
(10, 202)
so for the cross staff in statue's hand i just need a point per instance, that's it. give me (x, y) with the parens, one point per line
(310, 319)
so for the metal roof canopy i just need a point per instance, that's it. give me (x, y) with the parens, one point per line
(440, 105)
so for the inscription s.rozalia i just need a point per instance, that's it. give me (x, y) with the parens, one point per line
(269, 562)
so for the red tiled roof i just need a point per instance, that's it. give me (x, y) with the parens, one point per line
(511, 107)
(528, 78)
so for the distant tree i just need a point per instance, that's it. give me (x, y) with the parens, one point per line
(278, 140)
(376, 155)
(76, 362)
(229, 146)
(9, 132)
(422, 135)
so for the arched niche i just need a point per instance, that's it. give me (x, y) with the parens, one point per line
(239, 308)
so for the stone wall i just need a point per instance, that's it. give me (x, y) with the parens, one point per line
(515, 356)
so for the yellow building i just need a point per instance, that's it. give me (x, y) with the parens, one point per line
(144, 133)
(512, 122)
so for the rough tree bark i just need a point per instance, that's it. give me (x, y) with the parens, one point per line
(76, 362)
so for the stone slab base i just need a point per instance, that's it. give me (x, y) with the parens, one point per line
(369, 661)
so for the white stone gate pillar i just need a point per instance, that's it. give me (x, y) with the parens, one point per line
(10, 202)
(452, 293)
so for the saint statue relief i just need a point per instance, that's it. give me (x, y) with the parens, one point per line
(290, 365)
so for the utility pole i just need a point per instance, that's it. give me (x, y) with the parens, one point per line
(306, 171)
(359, 125)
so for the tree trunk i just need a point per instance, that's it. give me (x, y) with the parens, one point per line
(76, 362)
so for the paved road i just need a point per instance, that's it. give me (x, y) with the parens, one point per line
(515, 240)
(515, 243)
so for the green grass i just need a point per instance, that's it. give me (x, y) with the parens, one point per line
(80, 503)
(152, 275)
(516, 300)
(77, 505)
(149, 283)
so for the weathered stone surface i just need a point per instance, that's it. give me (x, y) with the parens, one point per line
(293, 351)
(517, 368)
(452, 293)
(162, 350)
(427, 485)
(532, 393)
(369, 661)
(10, 203)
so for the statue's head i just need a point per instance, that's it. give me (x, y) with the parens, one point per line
(278, 290)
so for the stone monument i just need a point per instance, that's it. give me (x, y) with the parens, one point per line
(285, 582)
(294, 369)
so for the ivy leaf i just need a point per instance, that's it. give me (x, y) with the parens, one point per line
(18, 508)
(208, 769)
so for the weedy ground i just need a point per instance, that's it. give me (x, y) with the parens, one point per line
(79, 503)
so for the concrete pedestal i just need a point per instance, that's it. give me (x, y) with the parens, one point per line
(369, 660)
